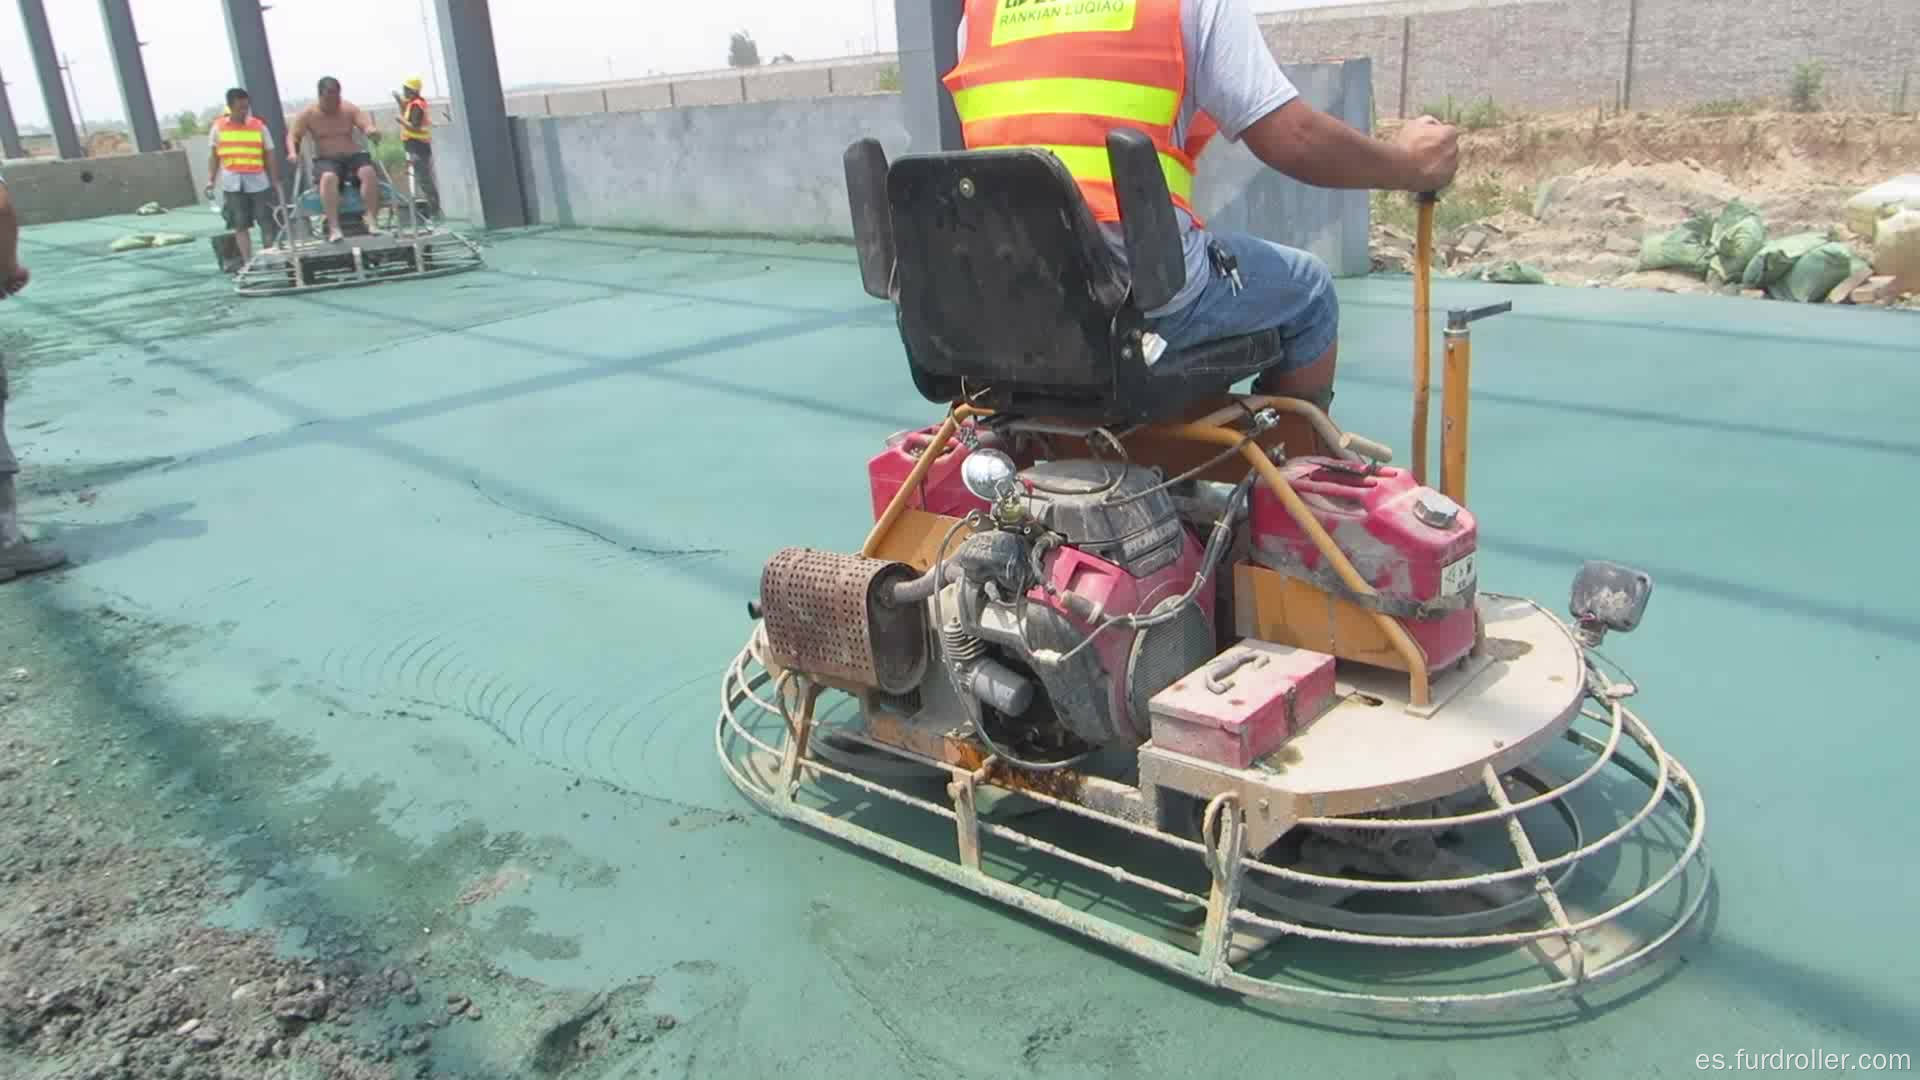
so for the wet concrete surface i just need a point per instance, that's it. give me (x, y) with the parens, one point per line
(403, 609)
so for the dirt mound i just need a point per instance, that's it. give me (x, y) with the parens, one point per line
(1759, 147)
(1578, 201)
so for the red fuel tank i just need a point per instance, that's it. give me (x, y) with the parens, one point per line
(1415, 546)
(939, 492)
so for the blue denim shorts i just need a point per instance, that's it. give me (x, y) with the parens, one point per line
(1280, 286)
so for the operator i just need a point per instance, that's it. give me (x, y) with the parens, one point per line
(240, 159)
(18, 557)
(416, 134)
(338, 158)
(1062, 73)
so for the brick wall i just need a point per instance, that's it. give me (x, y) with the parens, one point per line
(1560, 54)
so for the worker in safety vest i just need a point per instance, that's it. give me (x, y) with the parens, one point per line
(1061, 74)
(416, 134)
(240, 162)
(18, 556)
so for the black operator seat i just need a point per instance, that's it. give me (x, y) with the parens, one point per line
(1008, 296)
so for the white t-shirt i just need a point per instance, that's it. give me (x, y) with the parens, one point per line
(1233, 77)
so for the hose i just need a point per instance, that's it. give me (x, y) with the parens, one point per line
(918, 589)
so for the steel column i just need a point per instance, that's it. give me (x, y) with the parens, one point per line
(47, 65)
(479, 107)
(928, 50)
(9, 134)
(132, 71)
(253, 60)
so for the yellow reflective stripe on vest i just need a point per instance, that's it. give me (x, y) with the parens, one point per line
(1092, 163)
(1021, 20)
(1095, 97)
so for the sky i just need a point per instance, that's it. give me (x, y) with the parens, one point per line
(371, 45)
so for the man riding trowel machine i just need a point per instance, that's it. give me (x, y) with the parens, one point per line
(1195, 674)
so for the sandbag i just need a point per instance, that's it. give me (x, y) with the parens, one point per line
(1513, 273)
(166, 238)
(1738, 233)
(1867, 209)
(1814, 274)
(1687, 248)
(1896, 249)
(128, 243)
(1772, 261)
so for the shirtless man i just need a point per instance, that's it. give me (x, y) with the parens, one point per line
(337, 156)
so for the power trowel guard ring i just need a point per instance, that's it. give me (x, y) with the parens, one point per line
(780, 751)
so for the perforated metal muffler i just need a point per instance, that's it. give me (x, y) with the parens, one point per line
(827, 615)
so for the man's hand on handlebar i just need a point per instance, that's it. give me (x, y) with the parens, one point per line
(1433, 152)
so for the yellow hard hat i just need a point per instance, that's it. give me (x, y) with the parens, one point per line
(412, 83)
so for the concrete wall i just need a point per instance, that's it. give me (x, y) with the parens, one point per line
(47, 190)
(775, 168)
(857, 75)
(1560, 54)
(772, 168)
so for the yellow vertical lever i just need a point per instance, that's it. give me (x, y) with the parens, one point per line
(1422, 335)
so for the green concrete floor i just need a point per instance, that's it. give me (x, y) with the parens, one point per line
(468, 542)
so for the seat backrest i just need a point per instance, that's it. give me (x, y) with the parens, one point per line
(1002, 274)
(1006, 288)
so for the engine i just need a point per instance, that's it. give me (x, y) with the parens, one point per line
(1088, 584)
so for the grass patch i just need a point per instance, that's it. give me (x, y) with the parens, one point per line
(1803, 89)
(1461, 204)
(1476, 116)
(1724, 107)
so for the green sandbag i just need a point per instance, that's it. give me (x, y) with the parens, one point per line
(1815, 274)
(1772, 262)
(1687, 248)
(166, 238)
(1514, 273)
(128, 243)
(1738, 234)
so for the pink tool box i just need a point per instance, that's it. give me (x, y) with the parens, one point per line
(1244, 704)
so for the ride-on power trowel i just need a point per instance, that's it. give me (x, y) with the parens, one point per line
(1195, 674)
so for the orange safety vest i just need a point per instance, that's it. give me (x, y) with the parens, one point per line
(1060, 74)
(420, 120)
(242, 148)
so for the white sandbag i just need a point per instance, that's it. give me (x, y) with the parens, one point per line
(1866, 209)
(1896, 249)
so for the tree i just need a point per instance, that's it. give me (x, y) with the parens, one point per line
(189, 125)
(741, 51)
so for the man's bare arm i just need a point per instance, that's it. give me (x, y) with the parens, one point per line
(295, 131)
(1314, 148)
(213, 158)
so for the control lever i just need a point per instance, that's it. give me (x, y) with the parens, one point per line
(1454, 397)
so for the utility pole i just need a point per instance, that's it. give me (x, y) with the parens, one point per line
(66, 65)
(426, 35)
